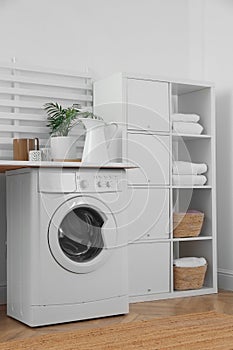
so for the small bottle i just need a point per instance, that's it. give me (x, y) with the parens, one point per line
(35, 155)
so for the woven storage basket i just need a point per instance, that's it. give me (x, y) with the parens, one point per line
(189, 277)
(187, 224)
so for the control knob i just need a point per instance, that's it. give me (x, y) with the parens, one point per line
(84, 184)
(101, 183)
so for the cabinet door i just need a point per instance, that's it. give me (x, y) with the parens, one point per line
(148, 105)
(149, 268)
(147, 214)
(151, 154)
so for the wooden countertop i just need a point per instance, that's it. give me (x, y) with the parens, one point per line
(6, 165)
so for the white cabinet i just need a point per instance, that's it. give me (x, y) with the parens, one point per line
(143, 105)
(147, 214)
(151, 154)
(147, 105)
(149, 268)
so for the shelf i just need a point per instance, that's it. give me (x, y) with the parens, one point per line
(192, 187)
(175, 137)
(186, 137)
(199, 238)
(6, 165)
(192, 292)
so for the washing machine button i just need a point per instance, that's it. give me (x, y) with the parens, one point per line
(83, 184)
(101, 183)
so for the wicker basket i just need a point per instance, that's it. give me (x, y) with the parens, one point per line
(186, 278)
(187, 224)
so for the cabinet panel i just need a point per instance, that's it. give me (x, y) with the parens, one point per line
(149, 266)
(147, 214)
(151, 154)
(148, 105)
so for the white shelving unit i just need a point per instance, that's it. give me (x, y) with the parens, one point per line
(143, 105)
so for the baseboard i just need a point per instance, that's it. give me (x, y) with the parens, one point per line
(2, 294)
(225, 279)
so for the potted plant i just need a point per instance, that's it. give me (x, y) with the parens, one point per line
(61, 121)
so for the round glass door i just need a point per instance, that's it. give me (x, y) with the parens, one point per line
(79, 234)
(82, 234)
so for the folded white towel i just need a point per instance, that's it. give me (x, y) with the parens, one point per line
(185, 168)
(189, 180)
(190, 262)
(188, 118)
(187, 128)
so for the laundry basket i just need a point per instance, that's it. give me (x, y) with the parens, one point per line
(186, 278)
(187, 224)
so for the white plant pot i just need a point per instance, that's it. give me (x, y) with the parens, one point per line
(64, 148)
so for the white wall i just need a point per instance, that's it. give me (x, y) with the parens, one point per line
(212, 46)
(219, 67)
(149, 36)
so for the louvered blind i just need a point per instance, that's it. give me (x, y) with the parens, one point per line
(24, 91)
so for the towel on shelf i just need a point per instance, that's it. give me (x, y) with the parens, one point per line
(189, 262)
(187, 180)
(188, 168)
(187, 128)
(187, 118)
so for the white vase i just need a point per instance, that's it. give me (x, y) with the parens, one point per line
(64, 148)
(96, 146)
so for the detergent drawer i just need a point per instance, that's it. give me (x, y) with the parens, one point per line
(56, 181)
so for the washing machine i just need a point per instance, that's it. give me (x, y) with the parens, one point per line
(66, 244)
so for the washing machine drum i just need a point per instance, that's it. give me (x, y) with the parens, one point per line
(82, 233)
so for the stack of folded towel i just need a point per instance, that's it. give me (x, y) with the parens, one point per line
(189, 262)
(187, 173)
(186, 123)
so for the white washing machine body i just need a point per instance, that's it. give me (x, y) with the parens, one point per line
(67, 244)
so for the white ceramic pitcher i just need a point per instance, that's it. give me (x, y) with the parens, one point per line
(96, 146)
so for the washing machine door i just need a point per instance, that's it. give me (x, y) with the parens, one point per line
(82, 234)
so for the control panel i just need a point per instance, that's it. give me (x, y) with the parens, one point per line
(98, 182)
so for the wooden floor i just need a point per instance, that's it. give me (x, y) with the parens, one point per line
(222, 302)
